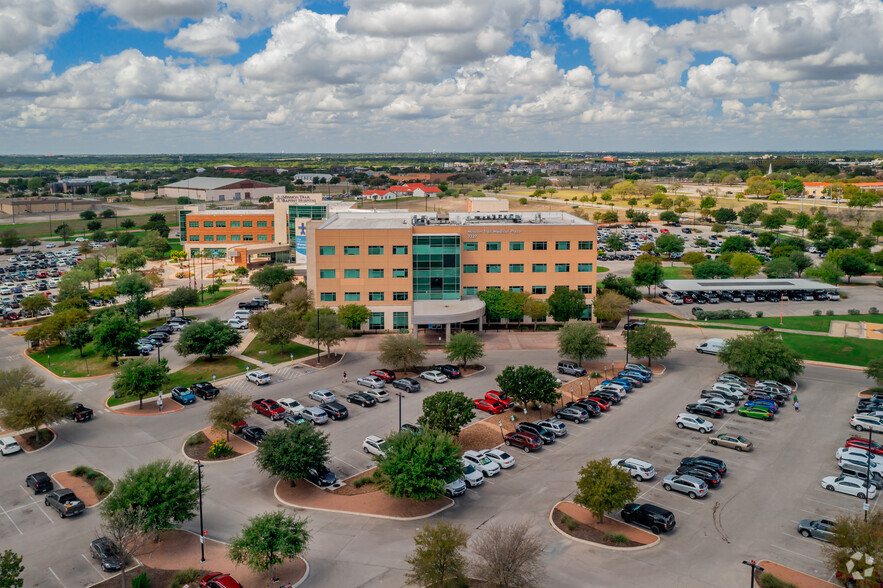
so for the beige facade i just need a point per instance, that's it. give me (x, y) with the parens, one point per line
(487, 205)
(143, 195)
(218, 189)
(45, 205)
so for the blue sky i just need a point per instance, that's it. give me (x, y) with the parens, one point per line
(451, 75)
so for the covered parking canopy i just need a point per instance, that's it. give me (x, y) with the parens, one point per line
(777, 285)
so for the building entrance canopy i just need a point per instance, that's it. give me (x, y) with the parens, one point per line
(446, 312)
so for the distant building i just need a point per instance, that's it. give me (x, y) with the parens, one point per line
(218, 189)
(45, 205)
(70, 185)
(311, 178)
(142, 194)
(415, 190)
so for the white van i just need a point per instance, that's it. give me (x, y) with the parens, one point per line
(242, 314)
(711, 347)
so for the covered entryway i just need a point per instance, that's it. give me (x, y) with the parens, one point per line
(438, 314)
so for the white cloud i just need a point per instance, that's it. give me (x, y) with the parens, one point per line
(30, 24)
(157, 15)
(724, 79)
(211, 36)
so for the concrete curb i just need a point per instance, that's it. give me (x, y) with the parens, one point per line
(360, 514)
(476, 372)
(184, 444)
(601, 545)
(42, 367)
(798, 571)
(318, 367)
(100, 472)
(54, 439)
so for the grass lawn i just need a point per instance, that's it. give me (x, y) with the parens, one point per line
(805, 323)
(198, 371)
(262, 350)
(206, 298)
(601, 269)
(845, 350)
(659, 315)
(39, 229)
(676, 273)
(63, 360)
(154, 322)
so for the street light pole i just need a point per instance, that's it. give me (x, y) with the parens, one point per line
(868, 480)
(754, 569)
(199, 467)
(627, 333)
(399, 394)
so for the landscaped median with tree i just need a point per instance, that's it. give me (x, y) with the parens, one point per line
(762, 355)
(26, 403)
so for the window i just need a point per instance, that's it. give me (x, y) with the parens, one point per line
(326, 250)
(584, 267)
(262, 223)
(247, 238)
(328, 296)
(400, 250)
(375, 296)
(516, 288)
(221, 224)
(327, 273)
(516, 245)
(562, 245)
(351, 273)
(194, 224)
(516, 268)
(492, 268)
(375, 250)
(539, 246)
(470, 268)
(562, 268)
(585, 245)
(262, 237)
(351, 296)
(351, 250)
(208, 224)
(539, 268)
(194, 250)
(538, 290)
(400, 273)
(470, 291)
(400, 320)
(194, 237)
(375, 273)
(492, 246)
(208, 238)
(247, 223)
(399, 295)
(236, 237)
(376, 321)
(235, 224)
(220, 237)
(585, 289)
(470, 246)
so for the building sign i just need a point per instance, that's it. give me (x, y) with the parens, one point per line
(297, 199)
(300, 239)
(474, 233)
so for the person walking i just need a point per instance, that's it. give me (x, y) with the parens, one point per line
(797, 407)
(159, 402)
(344, 377)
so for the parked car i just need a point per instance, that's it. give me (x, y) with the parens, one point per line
(638, 469)
(107, 552)
(383, 374)
(315, 415)
(481, 463)
(291, 406)
(545, 435)
(764, 404)
(499, 457)
(849, 485)
(689, 485)
(571, 368)
(710, 477)
(371, 382)
(689, 421)
(737, 442)
(471, 476)
(573, 413)
(499, 397)
(269, 408)
(406, 384)
(456, 487)
(434, 376)
(218, 580)
(335, 410)
(591, 407)
(602, 403)
(728, 396)
(377, 394)
(861, 422)
(374, 445)
(451, 371)
(756, 412)
(705, 410)
(258, 377)
(253, 434)
(361, 399)
(182, 395)
(821, 529)
(322, 395)
(526, 441)
(40, 482)
(65, 502)
(720, 403)
(293, 421)
(704, 461)
(653, 517)
(8, 446)
(205, 390)
(321, 476)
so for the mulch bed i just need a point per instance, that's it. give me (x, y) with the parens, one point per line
(305, 494)
(200, 451)
(81, 487)
(349, 490)
(589, 529)
(792, 576)
(29, 442)
(326, 360)
(159, 578)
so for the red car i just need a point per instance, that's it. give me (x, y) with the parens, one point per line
(526, 441)
(499, 397)
(602, 404)
(269, 408)
(385, 375)
(218, 580)
(663, 230)
(866, 444)
(491, 406)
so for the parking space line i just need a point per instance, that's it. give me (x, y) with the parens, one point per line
(57, 578)
(795, 553)
(347, 463)
(89, 561)
(829, 504)
(10, 520)
(37, 504)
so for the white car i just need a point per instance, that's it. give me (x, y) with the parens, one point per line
(5, 291)
(8, 446)
(472, 476)
(857, 453)
(50, 245)
(861, 422)
(851, 461)
(291, 406)
(53, 283)
(481, 462)
(29, 288)
(692, 421)
(434, 376)
(637, 468)
(499, 457)
(322, 396)
(775, 384)
(849, 485)
(377, 394)
(374, 445)
(258, 377)
(237, 323)
(731, 390)
(371, 382)
(718, 403)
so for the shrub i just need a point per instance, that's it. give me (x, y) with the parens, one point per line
(595, 375)
(879, 283)
(569, 522)
(220, 448)
(873, 310)
(359, 482)
(522, 201)
(196, 439)
(853, 311)
(186, 576)
(80, 471)
(102, 486)
(829, 313)
(817, 312)
(767, 580)
(615, 539)
(92, 475)
(759, 314)
(141, 581)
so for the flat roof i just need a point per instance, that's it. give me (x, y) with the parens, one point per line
(232, 212)
(360, 219)
(744, 284)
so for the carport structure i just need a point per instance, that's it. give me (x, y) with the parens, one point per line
(735, 284)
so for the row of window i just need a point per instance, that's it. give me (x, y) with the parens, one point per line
(399, 320)
(535, 245)
(354, 273)
(356, 296)
(518, 268)
(233, 224)
(473, 291)
(210, 238)
(354, 250)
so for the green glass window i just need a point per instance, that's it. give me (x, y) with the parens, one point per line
(247, 224)
(400, 273)
(262, 223)
(208, 238)
(194, 237)
(584, 267)
(539, 268)
(247, 237)
(375, 273)
(235, 224)
(262, 237)
(562, 245)
(585, 245)
(538, 290)
(351, 296)
(516, 245)
(236, 237)
(375, 296)
(399, 249)
(399, 295)
(492, 268)
(375, 250)
(376, 321)
(208, 224)
(470, 291)
(470, 268)
(307, 211)
(351, 273)
(585, 289)
(220, 224)
(435, 260)
(326, 250)
(516, 268)
(351, 250)
(327, 273)
(516, 288)
(400, 320)
(220, 237)
(562, 268)
(492, 246)
(470, 246)
(194, 224)
(194, 250)
(328, 297)
(539, 246)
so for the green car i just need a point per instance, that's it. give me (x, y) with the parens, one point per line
(755, 412)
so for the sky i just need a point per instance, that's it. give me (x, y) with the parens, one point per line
(296, 76)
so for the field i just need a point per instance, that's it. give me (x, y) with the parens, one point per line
(805, 323)
(259, 349)
(845, 350)
(42, 229)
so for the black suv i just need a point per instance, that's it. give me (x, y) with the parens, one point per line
(253, 434)
(547, 436)
(704, 461)
(40, 482)
(204, 390)
(707, 475)
(321, 476)
(106, 550)
(449, 370)
(587, 405)
(335, 410)
(651, 516)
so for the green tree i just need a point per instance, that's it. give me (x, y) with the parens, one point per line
(78, 336)
(88, 215)
(276, 327)
(131, 259)
(744, 265)
(447, 411)
(614, 243)
(862, 200)
(182, 298)
(693, 258)
(669, 217)
(29, 408)
(65, 232)
(35, 303)
(164, 490)
(853, 534)
(353, 316)
(877, 229)
(800, 260)
(779, 267)
(240, 273)
(669, 244)
(762, 355)
(127, 223)
(402, 352)
(536, 309)
(650, 341)
(114, 334)
(17, 379)
(502, 304)
(527, 383)
(154, 244)
(93, 225)
(269, 540)
(566, 304)
(817, 231)
(580, 341)
(157, 222)
(327, 330)
(71, 284)
(228, 409)
(266, 278)
(290, 452)
(875, 370)
(624, 286)
(712, 269)
(647, 274)
(11, 570)
(802, 221)
(464, 347)
(828, 272)
(211, 337)
(725, 215)
(751, 213)
(298, 300)
(736, 243)
(438, 559)
(853, 265)
(140, 377)
(417, 467)
(136, 287)
(603, 487)
(611, 306)
(9, 238)
(108, 213)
